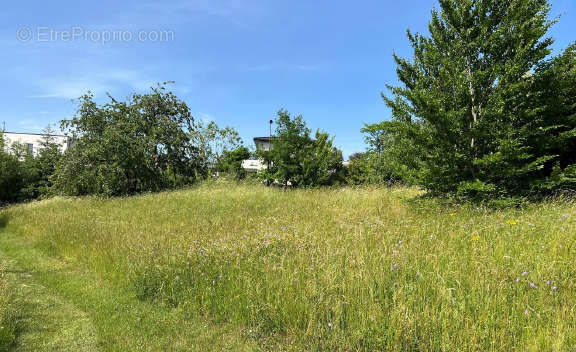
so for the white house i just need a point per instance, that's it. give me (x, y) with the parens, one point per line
(33, 141)
(263, 143)
(255, 165)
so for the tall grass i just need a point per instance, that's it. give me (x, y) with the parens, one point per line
(8, 310)
(341, 269)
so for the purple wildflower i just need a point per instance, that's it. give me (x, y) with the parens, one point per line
(555, 288)
(525, 273)
(526, 312)
(532, 284)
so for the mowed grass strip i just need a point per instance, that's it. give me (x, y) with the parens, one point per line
(60, 307)
(8, 309)
(338, 269)
(39, 320)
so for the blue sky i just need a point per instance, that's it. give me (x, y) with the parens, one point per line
(236, 62)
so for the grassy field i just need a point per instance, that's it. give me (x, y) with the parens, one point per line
(244, 267)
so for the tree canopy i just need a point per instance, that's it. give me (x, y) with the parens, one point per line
(298, 160)
(471, 96)
(125, 147)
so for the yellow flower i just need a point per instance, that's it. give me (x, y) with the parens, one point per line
(476, 238)
(512, 222)
(452, 214)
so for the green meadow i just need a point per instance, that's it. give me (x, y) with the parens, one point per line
(241, 267)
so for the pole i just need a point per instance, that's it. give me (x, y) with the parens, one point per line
(269, 149)
(270, 134)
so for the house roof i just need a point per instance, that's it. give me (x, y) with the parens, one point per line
(33, 134)
(263, 139)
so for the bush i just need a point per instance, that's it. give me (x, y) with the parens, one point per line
(370, 168)
(11, 180)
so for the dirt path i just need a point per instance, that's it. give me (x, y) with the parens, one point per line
(46, 322)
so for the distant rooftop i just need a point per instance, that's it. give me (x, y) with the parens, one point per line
(33, 134)
(263, 139)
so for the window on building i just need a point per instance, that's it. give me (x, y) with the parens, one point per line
(30, 148)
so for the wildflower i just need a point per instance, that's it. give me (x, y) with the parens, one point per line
(555, 288)
(329, 325)
(517, 279)
(526, 312)
(476, 238)
(512, 222)
(547, 282)
(452, 214)
(525, 273)
(532, 285)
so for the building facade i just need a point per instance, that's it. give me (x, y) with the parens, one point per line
(255, 165)
(33, 141)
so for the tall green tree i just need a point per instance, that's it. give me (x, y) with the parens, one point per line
(450, 115)
(298, 160)
(540, 153)
(124, 147)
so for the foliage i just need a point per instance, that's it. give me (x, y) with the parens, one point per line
(462, 119)
(139, 145)
(539, 154)
(370, 168)
(11, 180)
(230, 162)
(39, 169)
(298, 160)
(214, 143)
(378, 165)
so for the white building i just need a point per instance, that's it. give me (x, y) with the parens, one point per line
(33, 141)
(263, 143)
(255, 165)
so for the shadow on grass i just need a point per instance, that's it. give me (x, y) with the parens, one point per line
(4, 220)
